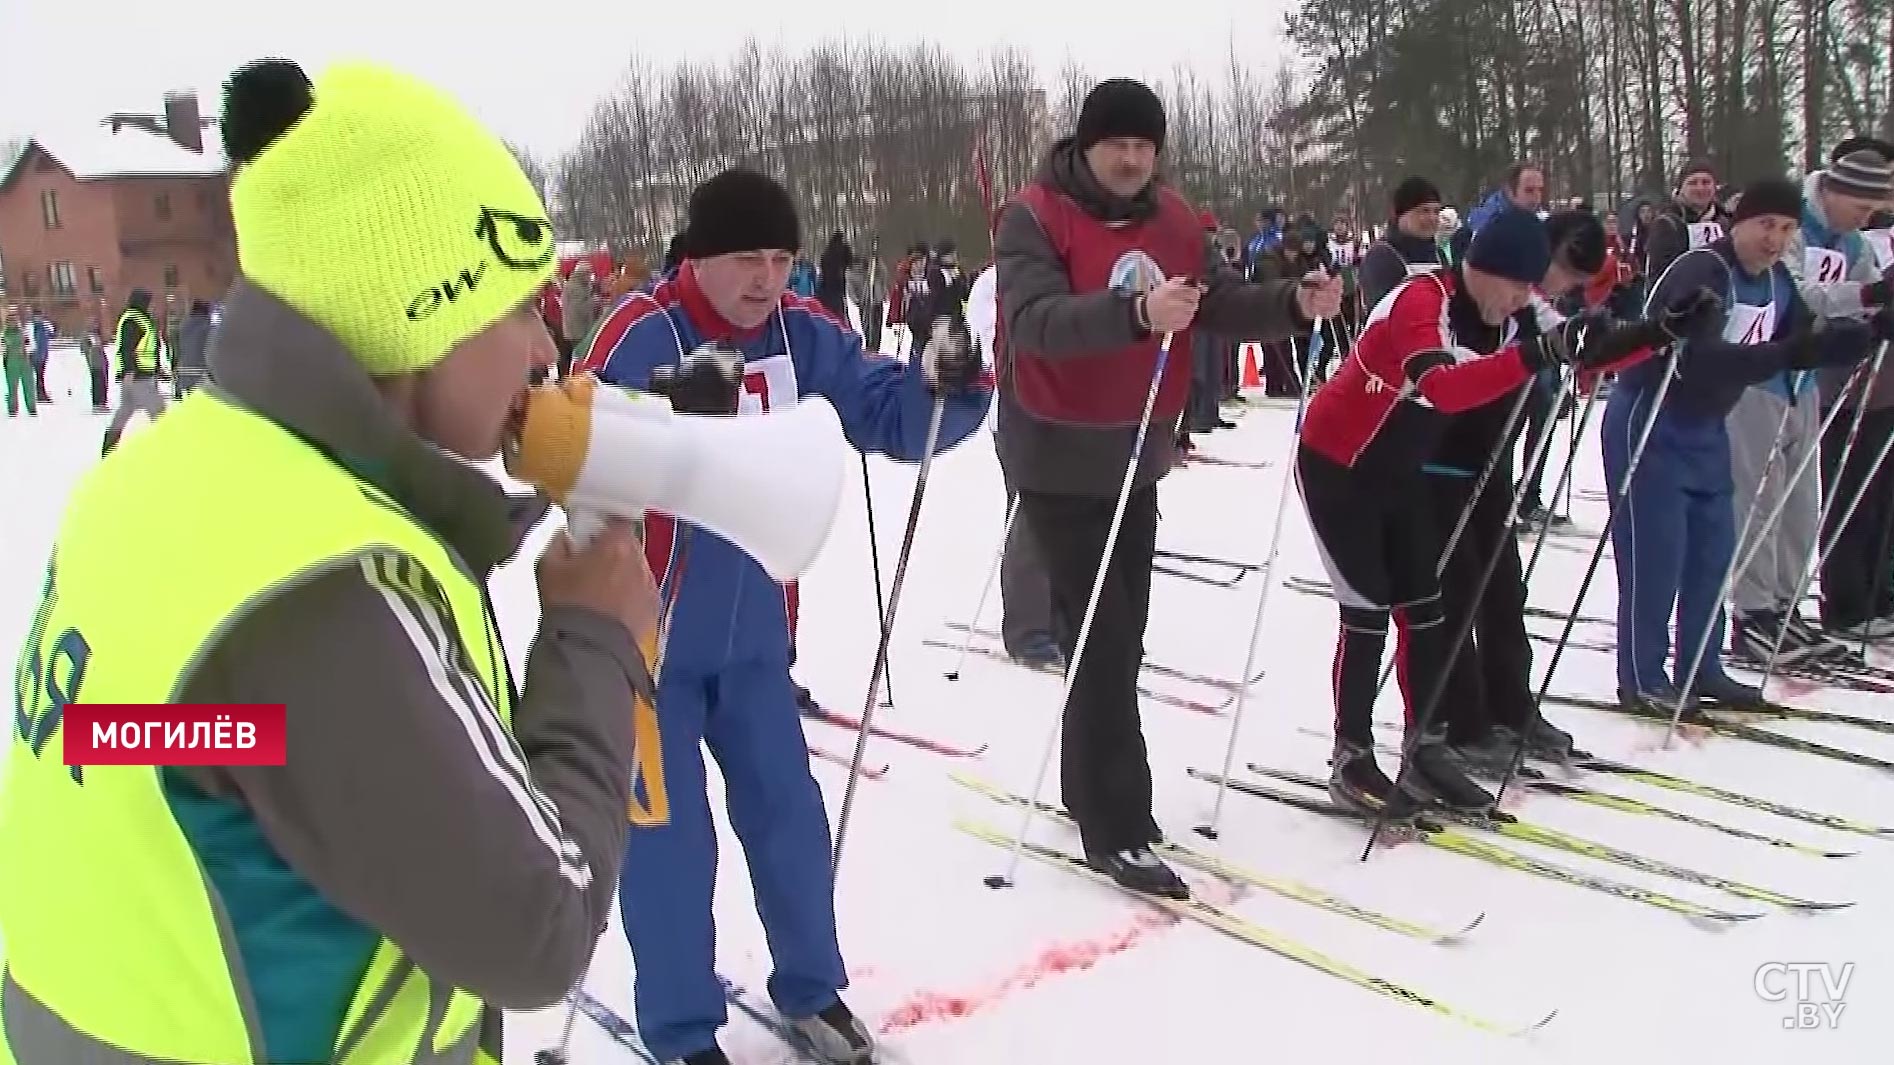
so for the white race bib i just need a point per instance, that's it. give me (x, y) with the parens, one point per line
(1750, 325)
(1882, 241)
(1824, 267)
(1702, 233)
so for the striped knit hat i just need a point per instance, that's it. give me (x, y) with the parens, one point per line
(1865, 173)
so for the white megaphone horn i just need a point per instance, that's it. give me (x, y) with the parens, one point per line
(768, 483)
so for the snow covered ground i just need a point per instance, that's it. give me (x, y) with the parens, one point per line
(1058, 969)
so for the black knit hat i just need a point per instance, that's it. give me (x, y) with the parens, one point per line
(1512, 245)
(1769, 196)
(740, 210)
(1577, 239)
(1120, 107)
(1413, 192)
(1695, 166)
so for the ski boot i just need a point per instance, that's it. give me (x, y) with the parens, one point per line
(1137, 869)
(1356, 783)
(1041, 653)
(712, 1056)
(1729, 694)
(837, 1036)
(1547, 741)
(1491, 755)
(1659, 701)
(1433, 778)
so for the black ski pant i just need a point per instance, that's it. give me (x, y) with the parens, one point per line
(98, 386)
(1025, 590)
(1104, 774)
(1379, 548)
(1490, 681)
(1855, 575)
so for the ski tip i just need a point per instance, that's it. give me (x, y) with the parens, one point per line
(1452, 938)
(996, 882)
(977, 751)
(1719, 919)
(1839, 854)
(1536, 1026)
(1811, 906)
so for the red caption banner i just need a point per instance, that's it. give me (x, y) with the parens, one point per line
(172, 734)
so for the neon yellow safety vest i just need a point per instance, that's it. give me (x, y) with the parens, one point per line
(147, 351)
(108, 923)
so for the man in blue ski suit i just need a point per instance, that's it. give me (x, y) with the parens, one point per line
(725, 675)
(1674, 536)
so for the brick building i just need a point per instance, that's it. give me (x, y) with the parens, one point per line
(137, 201)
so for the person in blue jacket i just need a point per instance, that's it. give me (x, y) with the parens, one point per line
(1674, 536)
(725, 677)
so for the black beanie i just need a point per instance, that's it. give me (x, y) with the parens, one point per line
(1695, 166)
(1512, 245)
(740, 210)
(1577, 239)
(1121, 107)
(1769, 196)
(1413, 192)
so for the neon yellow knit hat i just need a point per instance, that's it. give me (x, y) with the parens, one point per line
(387, 214)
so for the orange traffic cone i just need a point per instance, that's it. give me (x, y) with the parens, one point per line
(1252, 377)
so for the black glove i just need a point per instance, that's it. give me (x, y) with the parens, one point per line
(1839, 342)
(1690, 316)
(1878, 293)
(951, 359)
(707, 381)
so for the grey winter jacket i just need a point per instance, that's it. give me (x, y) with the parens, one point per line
(1043, 314)
(491, 862)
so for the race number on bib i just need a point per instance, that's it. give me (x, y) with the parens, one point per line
(1824, 267)
(1702, 233)
(1750, 325)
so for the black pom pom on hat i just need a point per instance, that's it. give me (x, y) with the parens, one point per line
(262, 100)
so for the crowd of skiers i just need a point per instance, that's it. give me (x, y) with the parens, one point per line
(1422, 435)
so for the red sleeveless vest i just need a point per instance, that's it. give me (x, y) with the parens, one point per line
(1107, 388)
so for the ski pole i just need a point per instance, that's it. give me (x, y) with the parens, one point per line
(1834, 538)
(1091, 612)
(1410, 741)
(880, 670)
(874, 560)
(1740, 560)
(1209, 830)
(673, 576)
(1566, 477)
(992, 573)
(1615, 501)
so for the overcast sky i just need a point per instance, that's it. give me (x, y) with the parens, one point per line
(532, 70)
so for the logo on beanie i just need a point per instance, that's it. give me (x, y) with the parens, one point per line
(519, 242)
(1135, 272)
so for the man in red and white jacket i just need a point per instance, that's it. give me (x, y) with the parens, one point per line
(1442, 343)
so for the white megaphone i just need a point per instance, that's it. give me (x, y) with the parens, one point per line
(768, 483)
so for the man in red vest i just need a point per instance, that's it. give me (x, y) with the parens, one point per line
(1076, 357)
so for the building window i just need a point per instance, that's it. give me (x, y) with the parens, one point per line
(95, 280)
(49, 208)
(171, 275)
(163, 204)
(64, 281)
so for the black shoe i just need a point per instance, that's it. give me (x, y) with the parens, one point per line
(1432, 777)
(1223, 423)
(1729, 694)
(1041, 653)
(1820, 646)
(1356, 783)
(1661, 699)
(837, 1036)
(1551, 743)
(1137, 869)
(1490, 755)
(805, 701)
(713, 1056)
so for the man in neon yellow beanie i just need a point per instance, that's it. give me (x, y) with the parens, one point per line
(439, 841)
